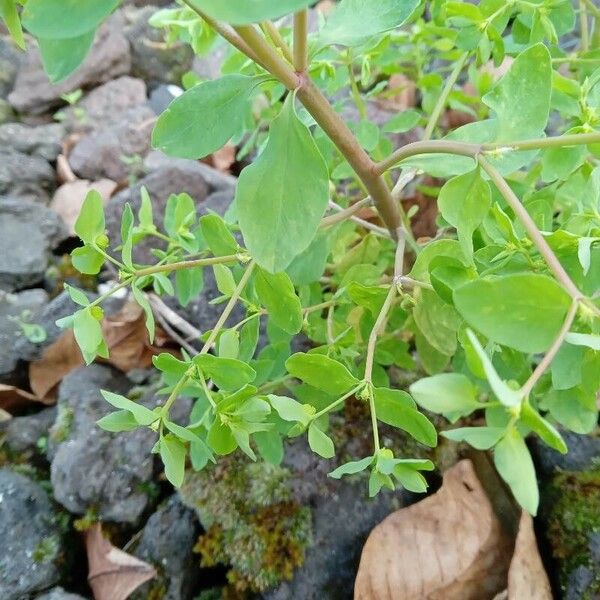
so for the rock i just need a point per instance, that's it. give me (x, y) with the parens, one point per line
(162, 96)
(105, 104)
(58, 593)
(15, 307)
(104, 152)
(9, 63)
(44, 141)
(91, 468)
(28, 232)
(22, 433)
(109, 57)
(167, 542)
(6, 112)
(152, 59)
(26, 177)
(583, 452)
(30, 552)
(209, 65)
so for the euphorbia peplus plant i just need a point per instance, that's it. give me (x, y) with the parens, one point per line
(499, 309)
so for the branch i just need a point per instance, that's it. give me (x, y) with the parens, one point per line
(271, 31)
(187, 264)
(301, 41)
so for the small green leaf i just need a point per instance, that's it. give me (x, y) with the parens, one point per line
(242, 12)
(204, 118)
(320, 443)
(289, 409)
(121, 420)
(88, 334)
(551, 436)
(524, 311)
(377, 481)
(144, 416)
(61, 57)
(403, 122)
(270, 446)
(410, 479)
(141, 299)
(481, 438)
(276, 293)
(76, 295)
(172, 452)
(90, 222)
(10, 15)
(321, 372)
(217, 235)
(448, 394)
(188, 284)
(584, 339)
(249, 333)
(437, 321)
(513, 461)
(229, 344)
(221, 439)
(351, 468)
(224, 278)
(277, 217)
(227, 373)
(87, 260)
(464, 201)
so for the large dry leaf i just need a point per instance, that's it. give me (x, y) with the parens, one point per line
(128, 346)
(69, 197)
(449, 546)
(113, 574)
(12, 398)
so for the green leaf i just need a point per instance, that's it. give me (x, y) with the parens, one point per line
(10, 15)
(249, 339)
(403, 121)
(221, 439)
(524, 311)
(270, 446)
(351, 468)
(188, 284)
(320, 443)
(395, 410)
(204, 118)
(61, 57)
(224, 278)
(87, 260)
(584, 339)
(141, 299)
(276, 293)
(355, 21)
(227, 373)
(60, 19)
(126, 235)
(229, 344)
(437, 321)
(505, 394)
(76, 295)
(513, 461)
(410, 479)
(289, 409)
(172, 452)
(481, 438)
(277, 216)
(88, 334)
(121, 420)
(530, 417)
(448, 394)
(464, 201)
(143, 416)
(217, 235)
(90, 222)
(377, 481)
(241, 12)
(321, 372)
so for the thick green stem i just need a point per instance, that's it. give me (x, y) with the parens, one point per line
(584, 26)
(301, 41)
(272, 32)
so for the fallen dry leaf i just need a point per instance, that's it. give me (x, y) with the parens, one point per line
(11, 398)
(69, 197)
(449, 546)
(401, 93)
(113, 574)
(128, 346)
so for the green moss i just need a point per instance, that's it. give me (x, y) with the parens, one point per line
(47, 550)
(572, 514)
(64, 422)
(251, 523)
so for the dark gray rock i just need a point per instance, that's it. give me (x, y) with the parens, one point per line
(30, 551)
(28, 232)
(104, 152)
(58, 593)
(583, 452)
(152, 59)
(92, 468)
(7, 114)
(22, 433)
(44, 141)
(162, 96)
(9, 63)
(109, 57)
(15, 307)
(167, 542)
(105, 104)
(26, 177)
(580, 584)
(209, 65)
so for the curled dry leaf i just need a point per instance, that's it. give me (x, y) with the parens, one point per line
(127, 341)
(12, 398)
(69, 197)
(113, 574)
(449, 546)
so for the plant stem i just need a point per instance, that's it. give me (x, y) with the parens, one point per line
(592, 8)
(531, 228)
(584, 26)
(301, 41)
(271, 31)
(374, 425)
(345, 213)
(574, 139)
(336, 403)
(358, 99)
(125, 283)
(376, 331)
(443, 98)
(176, 391)
(187, 264)
(552, 352)
(228, 308)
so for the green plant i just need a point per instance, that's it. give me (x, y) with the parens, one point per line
(509, 302)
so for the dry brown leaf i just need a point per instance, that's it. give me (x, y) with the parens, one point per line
(527, 577)
(128, 346)
(222, 159)
(401, 93)
(11, 398)
(113, 574)
(69, 197)
(449, 546)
